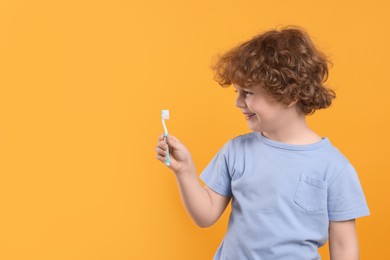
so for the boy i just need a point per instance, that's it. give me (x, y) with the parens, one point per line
(290, 189)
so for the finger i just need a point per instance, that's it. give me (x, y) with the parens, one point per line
(161, 151)
(172, 140)
(161, 137)
(160, 158)
(174, 144)
(163, 159)
(162, 145)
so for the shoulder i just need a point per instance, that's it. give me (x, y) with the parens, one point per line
(337, 164)
(244, 139)
(336, 156)
(235, 146)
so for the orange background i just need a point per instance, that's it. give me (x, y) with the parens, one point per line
(82, 85)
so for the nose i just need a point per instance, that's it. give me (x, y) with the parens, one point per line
(240, 103)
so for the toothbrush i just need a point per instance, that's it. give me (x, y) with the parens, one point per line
(164, 116)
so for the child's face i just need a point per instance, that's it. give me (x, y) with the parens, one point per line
(262, 113)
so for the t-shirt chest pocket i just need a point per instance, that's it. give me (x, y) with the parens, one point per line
(311, 194)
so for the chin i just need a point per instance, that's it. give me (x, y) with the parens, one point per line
(255, 128)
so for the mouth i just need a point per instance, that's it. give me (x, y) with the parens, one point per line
(249, 115)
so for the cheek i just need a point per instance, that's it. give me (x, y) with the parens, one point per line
(255, 108)
(251, 105)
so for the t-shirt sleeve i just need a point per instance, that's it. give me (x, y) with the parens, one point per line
(346, 199)
(216, 175)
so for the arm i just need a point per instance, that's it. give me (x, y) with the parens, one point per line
(202, 204)
(343, 243)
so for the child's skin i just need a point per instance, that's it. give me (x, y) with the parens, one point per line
(286, 124)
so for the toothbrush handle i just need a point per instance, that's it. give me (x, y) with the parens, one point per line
(167, 158)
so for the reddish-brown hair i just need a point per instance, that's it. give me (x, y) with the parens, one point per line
(285, 63)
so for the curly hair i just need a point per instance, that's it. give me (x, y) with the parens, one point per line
(285, 63)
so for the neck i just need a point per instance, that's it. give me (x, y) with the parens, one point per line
(293, 130)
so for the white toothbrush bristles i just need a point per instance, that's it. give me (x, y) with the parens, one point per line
(165, 114)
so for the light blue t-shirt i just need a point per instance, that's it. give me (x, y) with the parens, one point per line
(283, 196)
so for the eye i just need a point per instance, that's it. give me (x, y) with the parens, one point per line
(244, 92)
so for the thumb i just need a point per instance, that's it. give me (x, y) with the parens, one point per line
(172, 141)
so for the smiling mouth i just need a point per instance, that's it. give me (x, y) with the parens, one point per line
(249, 115)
